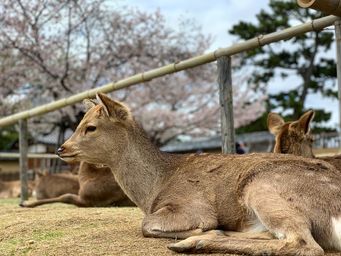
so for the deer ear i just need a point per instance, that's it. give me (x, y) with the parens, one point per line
(113, 108)
(275, 121)
(88, 103)
(303, 124)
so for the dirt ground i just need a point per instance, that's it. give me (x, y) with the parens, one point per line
(59, 229)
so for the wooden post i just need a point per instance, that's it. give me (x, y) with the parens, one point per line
(23, 147)
(226, 104)
(338, 65)
(327, 6)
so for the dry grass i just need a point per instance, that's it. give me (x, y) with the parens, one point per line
(60, 229)
(66, 230)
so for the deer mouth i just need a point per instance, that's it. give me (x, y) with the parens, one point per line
(67, 158)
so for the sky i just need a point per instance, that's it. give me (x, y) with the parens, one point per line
(216, 18)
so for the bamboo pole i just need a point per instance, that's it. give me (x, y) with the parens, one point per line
(29, 155)
(226, 105)
(23, 146)
(259, 41)
(326, 6)
(338, 65)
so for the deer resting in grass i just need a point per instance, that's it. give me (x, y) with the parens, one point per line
(295, 138)
(53, 185)
(96, 188)
(271, 204)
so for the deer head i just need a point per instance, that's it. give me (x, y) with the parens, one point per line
(292, 137)
(107, 119)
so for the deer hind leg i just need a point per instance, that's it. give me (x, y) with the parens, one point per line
(66, 198)
(178, 222)
(291, 228)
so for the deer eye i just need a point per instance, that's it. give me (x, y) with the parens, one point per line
(90, 128)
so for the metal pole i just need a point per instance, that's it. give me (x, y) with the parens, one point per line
(338, 65)
(23, 147)
(226, 104)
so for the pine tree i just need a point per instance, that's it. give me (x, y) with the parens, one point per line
(302, 56)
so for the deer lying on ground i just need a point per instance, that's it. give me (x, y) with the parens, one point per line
(295, 138)
(54, 185)
(271, 204)
(97, 188)
(11, 189)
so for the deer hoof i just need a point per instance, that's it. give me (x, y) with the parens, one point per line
(177, 247)
(25, 205)
(186, 245)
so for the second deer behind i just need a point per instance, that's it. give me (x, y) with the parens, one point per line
(294, 137)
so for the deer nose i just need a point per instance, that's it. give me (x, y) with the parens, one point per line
(60, 150)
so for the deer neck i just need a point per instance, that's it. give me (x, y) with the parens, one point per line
(143, 169)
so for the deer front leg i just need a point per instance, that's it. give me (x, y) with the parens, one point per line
(213, 243)
(261, 235)
(66, 198)
(178, 222)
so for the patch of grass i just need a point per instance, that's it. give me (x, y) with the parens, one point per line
(9, 247)
(14, 241)
(43, 235)
(9, 201)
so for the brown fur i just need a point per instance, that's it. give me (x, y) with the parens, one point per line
(295, 138)
(94, 187)
(54, 185)
(190, 196)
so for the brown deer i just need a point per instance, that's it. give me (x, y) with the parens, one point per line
(273, 204)
(97, 188)
(54, 185)
(295, 138)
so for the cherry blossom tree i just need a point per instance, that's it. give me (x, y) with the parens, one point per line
(53, 49)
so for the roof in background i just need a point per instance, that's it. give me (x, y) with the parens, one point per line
(215, 142)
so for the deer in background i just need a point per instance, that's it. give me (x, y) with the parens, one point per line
(97, 188)
(54, 185)
(272, 204)
(295, 137)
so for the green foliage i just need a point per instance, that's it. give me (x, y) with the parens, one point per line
(8, 135)
(301, 56)
(257, 125)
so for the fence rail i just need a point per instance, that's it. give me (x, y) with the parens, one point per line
(327, 140)
(29, 155)
(259, 41)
